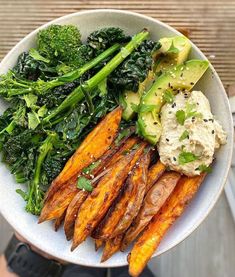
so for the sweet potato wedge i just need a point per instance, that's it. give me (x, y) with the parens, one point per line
(175, 205)
(111, 247)
(72, 211)
(98, 243)
(58, 222)
(154, 173)
(58, 203)
(102, 135)
(152, 203)
(125, 208)
(99, 201)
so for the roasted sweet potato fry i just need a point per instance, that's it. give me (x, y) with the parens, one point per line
(102, 135)
(171, 210)
(58, 222)
(72, 211)
(154, 173)
(98, 243)
(152, 203)
(58, 203)
(111, 247)
(126, 208)
(99, 201)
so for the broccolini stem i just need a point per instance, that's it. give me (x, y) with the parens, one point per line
(41, 86)
(35, 195)
(77, 95)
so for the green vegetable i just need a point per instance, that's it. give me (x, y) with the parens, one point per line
(77, 95)
(187, 157)
(35, 195)
(134, 70)
(204, 168)
(32, 69)
(184, 135)
(84, 184)
(59, 42)
(105, 37)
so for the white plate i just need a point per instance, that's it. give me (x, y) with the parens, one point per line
(43, 236)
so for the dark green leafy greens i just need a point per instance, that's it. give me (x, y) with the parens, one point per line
(135, 68)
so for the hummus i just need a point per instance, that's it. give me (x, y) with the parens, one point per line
(189, 137)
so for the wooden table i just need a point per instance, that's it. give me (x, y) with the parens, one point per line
(210, 250)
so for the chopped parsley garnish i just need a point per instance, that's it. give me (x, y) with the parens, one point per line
(204, 168)
(136, 146)
(180, 117)
(84, 184)
(124, 133)
(184, 135)
(88, 170)
(173, 49)
(190, 111)
(168, 96)
(187, 157)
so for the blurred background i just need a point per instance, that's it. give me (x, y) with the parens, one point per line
(210, 24)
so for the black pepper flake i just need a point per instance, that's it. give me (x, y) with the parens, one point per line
(167, 139)
(205, 120)
(213, 131)
(174, 158)
(192, 83)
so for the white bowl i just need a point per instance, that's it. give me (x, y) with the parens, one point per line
(43, 235)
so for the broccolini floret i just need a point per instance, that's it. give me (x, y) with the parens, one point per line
(59, 42)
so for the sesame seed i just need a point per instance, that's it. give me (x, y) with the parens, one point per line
(155, 123)
(205, 120)
(182, 74)
(213, 131)
(174, 158)
(167, 139)
(192, 83)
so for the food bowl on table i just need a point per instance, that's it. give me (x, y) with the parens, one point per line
(42, 235)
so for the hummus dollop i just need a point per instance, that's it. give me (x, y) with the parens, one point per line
(190, 134)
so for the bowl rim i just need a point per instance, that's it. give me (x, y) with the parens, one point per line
(230, 126)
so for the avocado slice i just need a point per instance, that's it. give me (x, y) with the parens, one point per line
(181, 77)
(130, 99)
(174, 50)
